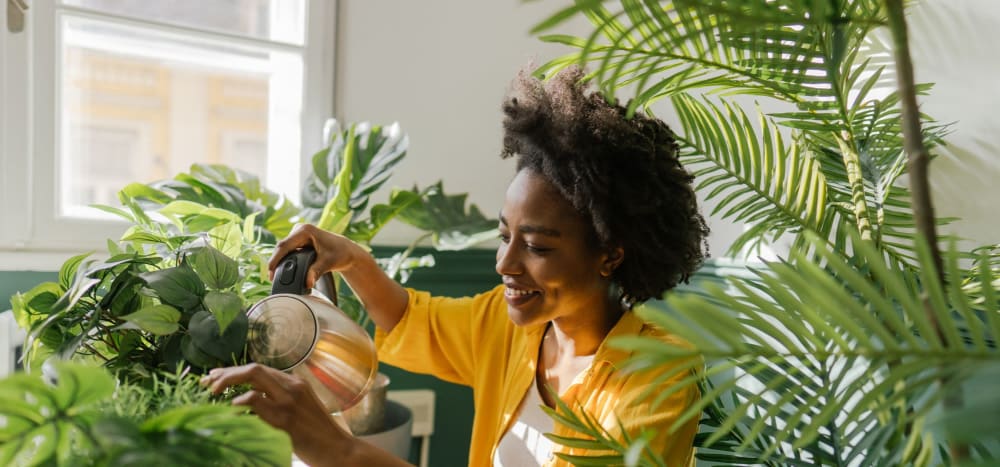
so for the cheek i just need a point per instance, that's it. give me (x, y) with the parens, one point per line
(568, 276)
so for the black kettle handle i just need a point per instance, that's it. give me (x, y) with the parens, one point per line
(290, 275)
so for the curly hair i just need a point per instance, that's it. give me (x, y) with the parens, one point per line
(622, 174)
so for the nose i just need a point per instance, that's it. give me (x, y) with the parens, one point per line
(508, 263)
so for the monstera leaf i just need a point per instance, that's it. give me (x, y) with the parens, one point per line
(194, 435)
(345, 174)
(452, 225)
(208, 196)
(72, 414)
(42, 419)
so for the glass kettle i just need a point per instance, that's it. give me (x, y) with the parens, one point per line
(303, 332)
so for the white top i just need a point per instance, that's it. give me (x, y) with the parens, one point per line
(524, 444)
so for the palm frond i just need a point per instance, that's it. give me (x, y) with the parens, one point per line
(755, 175)
(833, 351)
(789, 50)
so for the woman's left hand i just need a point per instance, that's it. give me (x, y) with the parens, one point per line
(287, 403)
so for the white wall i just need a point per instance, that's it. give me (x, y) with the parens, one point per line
(440, 68)
(954, 45)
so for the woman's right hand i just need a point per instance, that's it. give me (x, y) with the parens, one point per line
(287, 403)
(384, 299)
(333, 252)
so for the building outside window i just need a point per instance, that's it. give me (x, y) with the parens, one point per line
(102, 93)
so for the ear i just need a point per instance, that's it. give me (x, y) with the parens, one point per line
(613, 258)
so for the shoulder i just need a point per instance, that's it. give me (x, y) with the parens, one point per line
(621, 340)
(637, 359)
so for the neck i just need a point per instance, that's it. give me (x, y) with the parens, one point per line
(583, 334)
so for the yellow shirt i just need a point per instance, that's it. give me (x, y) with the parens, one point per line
(471, 341)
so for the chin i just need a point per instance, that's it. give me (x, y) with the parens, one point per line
(520, 318)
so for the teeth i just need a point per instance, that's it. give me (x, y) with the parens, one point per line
(517, 293)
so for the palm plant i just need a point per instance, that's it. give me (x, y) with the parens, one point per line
(837, 353)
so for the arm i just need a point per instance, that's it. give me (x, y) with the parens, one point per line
(286, 402)
(383, 298)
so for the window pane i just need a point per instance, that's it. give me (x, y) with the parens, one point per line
(278, 20)
(138, 106)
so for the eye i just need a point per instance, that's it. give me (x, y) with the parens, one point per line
(537, 249)
(505, 238)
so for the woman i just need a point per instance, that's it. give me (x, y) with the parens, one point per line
(599, 218)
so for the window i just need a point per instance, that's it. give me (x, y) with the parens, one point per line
(101, 93)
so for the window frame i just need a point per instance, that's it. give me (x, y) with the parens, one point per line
(34, 236)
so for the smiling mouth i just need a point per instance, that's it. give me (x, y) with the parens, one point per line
(518, 297)
(518, 293)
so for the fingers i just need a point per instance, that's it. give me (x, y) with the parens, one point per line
(311, 276)
(299, 237)
(261, 378)
(333, 252)
(288, 403)
(265, 407)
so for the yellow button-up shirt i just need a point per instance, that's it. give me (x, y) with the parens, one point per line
(471, 341)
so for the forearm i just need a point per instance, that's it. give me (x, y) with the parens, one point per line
(355, 452)
(383, 298)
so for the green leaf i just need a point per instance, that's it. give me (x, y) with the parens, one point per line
(217, 270)
(372, 152)
(136, 234)
(194, 354)
(337, 212)
(234, 437)
(157, 319)
(453, 226)
(225, 347)
(68, 270)
(116, 211)
(36, 304)
(178, 286)
(140, 191)
(224, 306)
(183, 208)
(578, 443)
(78, 384)
(41, 419)
(381, 214)
(227, 238)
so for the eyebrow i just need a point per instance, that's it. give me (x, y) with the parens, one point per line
(536, 229)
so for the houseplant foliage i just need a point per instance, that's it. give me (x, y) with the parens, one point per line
(838, 353)
(73, 414)
(172, 293)
(175, 287)
(336, 197)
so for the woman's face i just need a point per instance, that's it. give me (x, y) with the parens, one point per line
(549, 265)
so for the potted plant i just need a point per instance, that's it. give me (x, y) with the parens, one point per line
(840, 351)
(174, 289)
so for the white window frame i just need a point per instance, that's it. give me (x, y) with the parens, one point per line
(33, 236)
